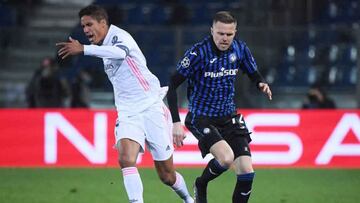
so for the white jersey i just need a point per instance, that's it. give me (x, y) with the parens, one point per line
(135, 87)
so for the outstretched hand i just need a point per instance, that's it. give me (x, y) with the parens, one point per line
(178, 134)
(72, 47)
(264, 87)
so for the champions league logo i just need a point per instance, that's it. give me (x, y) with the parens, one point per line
(185, 62)
(232, 58)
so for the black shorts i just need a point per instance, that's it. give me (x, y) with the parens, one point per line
(210, 130)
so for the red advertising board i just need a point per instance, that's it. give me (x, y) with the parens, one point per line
(84, 138)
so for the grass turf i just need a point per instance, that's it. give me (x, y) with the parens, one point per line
(99, 185)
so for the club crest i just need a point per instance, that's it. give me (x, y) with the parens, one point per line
(114, 40)
(232, 58)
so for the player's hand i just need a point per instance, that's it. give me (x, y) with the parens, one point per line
(72, 47)
(178, 134)
(264, 87)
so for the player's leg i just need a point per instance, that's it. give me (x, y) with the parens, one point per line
(245, 175)
(210, 141)
(128, 150)
(238, 137)
(223, 157)
(175, 180)
(127, 153)
(159, 139)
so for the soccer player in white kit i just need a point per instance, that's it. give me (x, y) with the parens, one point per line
(143, 118)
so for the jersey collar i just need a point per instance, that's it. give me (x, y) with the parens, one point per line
(107, 39)
(216, 50)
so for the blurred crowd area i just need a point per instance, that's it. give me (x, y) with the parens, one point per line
(297, 44)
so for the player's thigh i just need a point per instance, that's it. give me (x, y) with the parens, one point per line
(222, 152)
(158, 128)
(207, 134)
(128, 151)
(237, 136)
(130, 130)
(240, 147)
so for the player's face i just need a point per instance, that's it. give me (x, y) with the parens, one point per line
(223, 34)
(94, 30)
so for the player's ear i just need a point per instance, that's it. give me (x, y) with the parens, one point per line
(211, 30)
(103, 22)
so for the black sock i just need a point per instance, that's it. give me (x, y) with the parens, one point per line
(243, 188)
(212, 170)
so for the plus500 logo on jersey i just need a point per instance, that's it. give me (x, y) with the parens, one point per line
(222, 73)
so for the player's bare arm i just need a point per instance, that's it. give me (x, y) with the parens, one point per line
(178, 134)
(264, 87)
(72, 47)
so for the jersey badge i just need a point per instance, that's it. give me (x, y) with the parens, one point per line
(232, 58)
(206, 130)
(115, 40)
(185, 62)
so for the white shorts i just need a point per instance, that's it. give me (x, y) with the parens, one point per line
(152, 126)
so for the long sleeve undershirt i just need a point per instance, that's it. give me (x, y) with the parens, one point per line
(175, 81)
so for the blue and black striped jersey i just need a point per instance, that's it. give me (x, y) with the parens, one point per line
(211, 76)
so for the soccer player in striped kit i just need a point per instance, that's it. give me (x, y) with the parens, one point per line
(143, 118)
(210, 68)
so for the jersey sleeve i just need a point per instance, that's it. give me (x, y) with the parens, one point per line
(248, 62)
(189, 63)
(249, 66)
(118, 50)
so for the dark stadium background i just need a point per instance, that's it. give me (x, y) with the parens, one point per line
(296, 43)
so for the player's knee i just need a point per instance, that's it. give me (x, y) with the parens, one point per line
(245, 170)
(243, 165)
(126, 161)
(226, 160)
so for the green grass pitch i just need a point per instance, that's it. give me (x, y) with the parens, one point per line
(100, 185)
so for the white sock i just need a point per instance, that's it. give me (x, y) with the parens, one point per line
(133, 184)
(180, 188)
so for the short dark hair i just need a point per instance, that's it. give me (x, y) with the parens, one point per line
(96, 12)
(224, 17)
